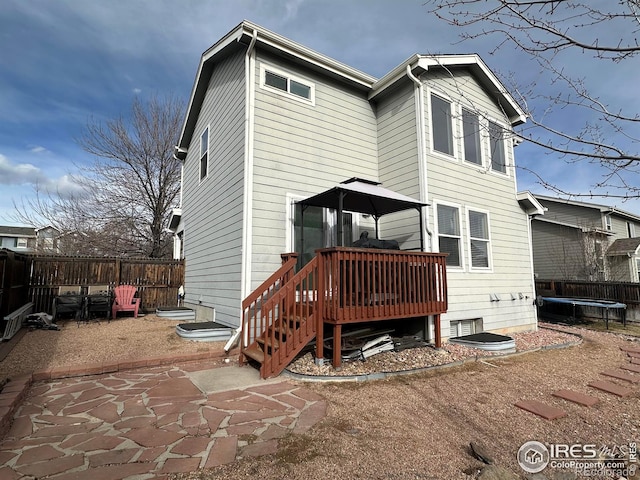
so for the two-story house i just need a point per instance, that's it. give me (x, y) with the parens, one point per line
(271, 123)
(577, 240)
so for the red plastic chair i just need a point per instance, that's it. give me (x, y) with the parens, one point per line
(125, 301)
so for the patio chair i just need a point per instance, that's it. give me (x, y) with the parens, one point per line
(69, 300)
(124, 300)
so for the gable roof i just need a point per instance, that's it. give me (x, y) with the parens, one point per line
(248, 35)
(25, 232)
(487, 79)
(606, 209)
(624, 246)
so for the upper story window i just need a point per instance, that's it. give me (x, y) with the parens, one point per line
(631, 230)
(496, 148)
(287, 84)
(449, 237)
(21, 243)
(204, 153)
(471, 135)
(441, 125)
(607, 223)
(479, 239)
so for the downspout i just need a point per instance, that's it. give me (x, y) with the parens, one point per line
(247, 213)
(430, 322)
(422, 153)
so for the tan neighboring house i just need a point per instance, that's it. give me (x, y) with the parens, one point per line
(271, 123)
(577, 240)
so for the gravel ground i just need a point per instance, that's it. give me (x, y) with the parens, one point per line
(415, 426)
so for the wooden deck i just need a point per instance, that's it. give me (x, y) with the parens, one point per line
(339, 286)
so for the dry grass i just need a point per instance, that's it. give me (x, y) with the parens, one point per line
(121, 339)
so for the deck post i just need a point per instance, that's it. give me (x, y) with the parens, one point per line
(438, 331)
(319, 360)
(337, 345)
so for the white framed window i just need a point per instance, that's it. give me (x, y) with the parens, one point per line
(284, 83)
(441, 125)
(204, 154)
(450, 233)
(497, 147)
(21, 243)
(607, 222)
(479, 239)
(631, 229)
(472, 138)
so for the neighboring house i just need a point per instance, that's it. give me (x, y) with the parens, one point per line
(271, 122)
(19, 239)
(48, 240)
(30, 239)
(585, 241)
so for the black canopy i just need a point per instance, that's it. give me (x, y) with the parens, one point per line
(364, 196)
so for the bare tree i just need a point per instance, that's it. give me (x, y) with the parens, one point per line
(548, 32)
(124, 198)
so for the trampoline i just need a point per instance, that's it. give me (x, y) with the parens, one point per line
(605, 305)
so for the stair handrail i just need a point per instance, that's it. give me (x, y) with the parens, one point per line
(292, 300)
(252, 321)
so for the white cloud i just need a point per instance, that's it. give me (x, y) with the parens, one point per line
(15, 174)
(20, 173)
(38, 149)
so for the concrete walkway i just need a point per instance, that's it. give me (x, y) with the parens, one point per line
(150, 422)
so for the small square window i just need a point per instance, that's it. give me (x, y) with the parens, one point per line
(275, 81)
(284, 83)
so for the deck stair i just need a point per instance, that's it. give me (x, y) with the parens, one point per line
(284, 323)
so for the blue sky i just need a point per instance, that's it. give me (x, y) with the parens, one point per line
(66, 62)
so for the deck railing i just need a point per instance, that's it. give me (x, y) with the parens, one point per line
(366, 284)
(339, 286)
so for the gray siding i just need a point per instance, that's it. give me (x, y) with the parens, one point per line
(213, 207)
(557, 251)
(573, 214)
(451, 180)
(303, 149)
(398, 157)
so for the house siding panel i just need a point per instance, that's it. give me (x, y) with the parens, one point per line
(303, 149)
(213, 207)
(451, 180)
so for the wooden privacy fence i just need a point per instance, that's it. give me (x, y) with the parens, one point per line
(157, 280)
(14, 281)
(625, 292)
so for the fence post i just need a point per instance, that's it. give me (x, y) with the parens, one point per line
(117, 272)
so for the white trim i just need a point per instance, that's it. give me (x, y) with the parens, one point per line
(247, 205)
(436, 246)
(291, 199)
(264, 67)
(488, 269)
